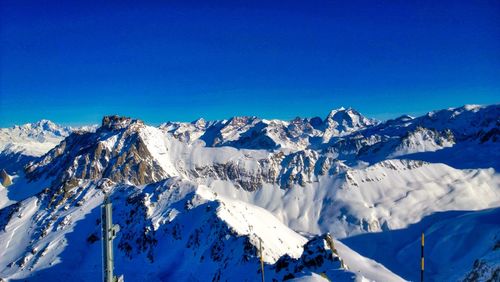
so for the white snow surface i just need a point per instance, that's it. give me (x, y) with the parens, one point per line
(155, 143)
(388, 195)
(36, 139)
(33, 139)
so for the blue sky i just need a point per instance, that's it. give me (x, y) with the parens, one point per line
(180, 60)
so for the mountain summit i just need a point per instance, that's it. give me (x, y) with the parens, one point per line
(343, 121)
(122, 149)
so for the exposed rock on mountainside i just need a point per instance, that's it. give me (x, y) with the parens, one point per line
(117, 150)
(5, 178)
(482, 271)
(318, 256)
(344, 122)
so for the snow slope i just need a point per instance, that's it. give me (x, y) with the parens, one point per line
(32, 139)
(456, 244)
(375, 198)
(175, 231)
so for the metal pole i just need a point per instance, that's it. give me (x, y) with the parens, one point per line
(108, 234)
(422, 260)
(261, 259)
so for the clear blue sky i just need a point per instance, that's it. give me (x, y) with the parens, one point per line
(179, 60)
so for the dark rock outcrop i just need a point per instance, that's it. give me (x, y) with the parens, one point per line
(116, 151)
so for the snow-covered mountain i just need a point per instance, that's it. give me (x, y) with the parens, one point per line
(256, 133)
(21, 144)
(194, 199)
(32, 139)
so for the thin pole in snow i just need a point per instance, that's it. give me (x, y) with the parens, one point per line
(261, 258)
(422, 259)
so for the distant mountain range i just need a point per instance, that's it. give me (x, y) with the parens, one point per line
(343, 198)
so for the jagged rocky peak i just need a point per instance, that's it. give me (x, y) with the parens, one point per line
(241, 121)
(123, 150)
(45, 124)
(116, 122)
(200, 123)
(342, 122)
(348, 118)
(42, 124)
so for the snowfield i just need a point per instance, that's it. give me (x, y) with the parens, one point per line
(344, 198)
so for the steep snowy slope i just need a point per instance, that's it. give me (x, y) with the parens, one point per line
(172, 230)
(458, 245)
(388, 195)
(20, 189)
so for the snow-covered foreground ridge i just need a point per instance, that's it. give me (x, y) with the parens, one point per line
(194, 199)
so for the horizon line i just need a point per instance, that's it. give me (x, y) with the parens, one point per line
(381, 117)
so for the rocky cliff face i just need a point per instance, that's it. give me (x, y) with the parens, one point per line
(116, 151)
(298, 168)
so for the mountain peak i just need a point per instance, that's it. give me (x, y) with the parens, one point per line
(41, 125)
(200, 123)
(122, 149)
(115, 122)
(346, 120)
(241, 120)
(45, 123)
(343, 111)
(333, 112)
